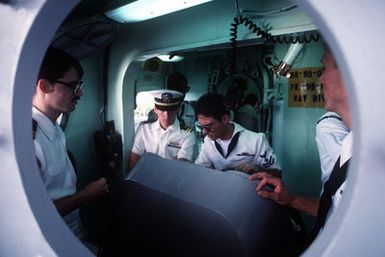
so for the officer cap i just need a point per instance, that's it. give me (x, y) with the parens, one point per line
(167, 100)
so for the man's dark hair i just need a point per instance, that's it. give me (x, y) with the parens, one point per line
(56, 63)
(178, 82)
(212, 105)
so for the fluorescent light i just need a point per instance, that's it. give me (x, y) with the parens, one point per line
(174, 58)
(147, 9)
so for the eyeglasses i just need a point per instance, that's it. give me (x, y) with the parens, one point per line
(75, 85)
(207, 127)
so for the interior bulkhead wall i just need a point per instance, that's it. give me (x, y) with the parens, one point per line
(290, 128)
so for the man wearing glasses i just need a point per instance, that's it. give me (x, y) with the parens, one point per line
(229, 146)
(58, 90)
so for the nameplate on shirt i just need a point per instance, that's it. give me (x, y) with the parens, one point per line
(174, 145)
(245, 154)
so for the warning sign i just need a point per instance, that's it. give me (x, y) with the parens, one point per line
(305, 89)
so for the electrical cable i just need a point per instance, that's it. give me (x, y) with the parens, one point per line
(270, 13)
(266, 36)
(233, 37)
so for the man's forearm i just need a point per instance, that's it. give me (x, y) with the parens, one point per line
(307, 205)
(69, 203)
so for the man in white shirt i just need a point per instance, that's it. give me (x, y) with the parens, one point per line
(165, 136)
(336, 100)
(58, 89)
(229, 146)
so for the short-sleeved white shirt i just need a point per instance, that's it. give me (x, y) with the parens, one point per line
(55, 166)
(330, 132)
(172, 143)
(252, 148)
(56, 169)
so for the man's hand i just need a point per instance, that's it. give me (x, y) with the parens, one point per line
(92, 191)
(278, 193)
(282, 196)
(96, 188)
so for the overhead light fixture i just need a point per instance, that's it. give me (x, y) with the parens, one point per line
(170, 58)
(283, 69)
(147, 9)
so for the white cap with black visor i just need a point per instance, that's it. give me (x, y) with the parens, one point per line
(167, 100)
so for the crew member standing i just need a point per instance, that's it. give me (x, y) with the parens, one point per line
(58, 89)
(336, 100)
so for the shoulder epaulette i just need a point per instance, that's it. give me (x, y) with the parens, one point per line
(183, 126)
(147, 122)
(189, 130)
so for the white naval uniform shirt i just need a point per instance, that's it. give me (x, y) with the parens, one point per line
(55, 166)
(172, 143)
(330, 132)
(252, 148)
